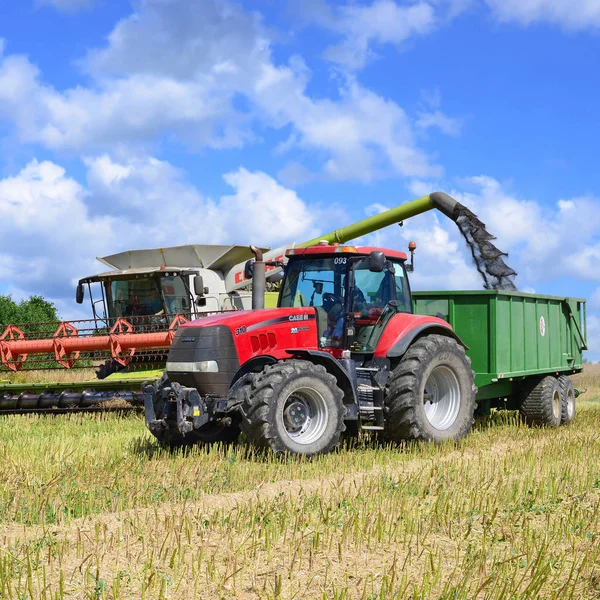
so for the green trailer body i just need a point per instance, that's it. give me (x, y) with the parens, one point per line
(511, 336)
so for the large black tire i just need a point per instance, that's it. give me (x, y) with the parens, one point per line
(567, 399)
(294, 406)
(541, 402)
(431, 394)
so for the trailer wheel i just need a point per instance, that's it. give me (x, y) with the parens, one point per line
(541, 402)
(294, 406)
(567, 399)
(431, 394)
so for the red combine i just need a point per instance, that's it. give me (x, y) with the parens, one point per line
(342, 350)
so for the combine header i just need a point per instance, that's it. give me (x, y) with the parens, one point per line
(149, 294)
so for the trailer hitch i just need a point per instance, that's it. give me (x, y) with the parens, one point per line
(190, 411)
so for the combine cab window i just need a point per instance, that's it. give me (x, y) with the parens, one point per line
(176, 296)
(144, 297)
(134, 297)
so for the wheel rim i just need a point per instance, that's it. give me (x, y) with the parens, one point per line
(556, 404)
(441, 398)
(570, 404)
(305, 415)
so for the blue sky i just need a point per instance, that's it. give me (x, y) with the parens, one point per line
(155, 122)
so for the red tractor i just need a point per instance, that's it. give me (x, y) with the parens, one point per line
(343, 350)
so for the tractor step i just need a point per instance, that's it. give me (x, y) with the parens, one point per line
(372, 427)
(374, 369)
(363, 387)
(369, 408)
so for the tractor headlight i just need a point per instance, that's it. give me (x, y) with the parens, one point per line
(203, 366)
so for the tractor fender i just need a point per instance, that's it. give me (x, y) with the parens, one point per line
(254, 364)
(403, 343)
(333, 366)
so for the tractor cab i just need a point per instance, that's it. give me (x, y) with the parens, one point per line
(355, 292)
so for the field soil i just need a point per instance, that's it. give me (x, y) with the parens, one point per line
(92, 507)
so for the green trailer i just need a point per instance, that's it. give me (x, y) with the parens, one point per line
(514, 339)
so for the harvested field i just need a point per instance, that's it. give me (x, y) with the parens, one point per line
(91, 507)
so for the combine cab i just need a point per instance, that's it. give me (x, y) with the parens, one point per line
(342, 350)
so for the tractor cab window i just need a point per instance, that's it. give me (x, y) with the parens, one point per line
(320, 283)
(377, 298)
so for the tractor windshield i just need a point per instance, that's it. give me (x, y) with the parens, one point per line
(323, 284)
(147, 296)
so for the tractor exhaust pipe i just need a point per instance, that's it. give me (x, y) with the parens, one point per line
(259, 282)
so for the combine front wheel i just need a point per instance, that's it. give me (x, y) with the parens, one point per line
(294, 406)
(430, 395)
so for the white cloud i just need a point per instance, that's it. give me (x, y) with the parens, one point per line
(381, 22)
(69, 6)
(447, 125)
(593, 336)
(176, 68)
(545, 241)
(567, 14)
(442, 260)
(52, 228)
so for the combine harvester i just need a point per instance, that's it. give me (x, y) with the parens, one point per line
(149, 294)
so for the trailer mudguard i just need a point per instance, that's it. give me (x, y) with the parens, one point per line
(333, 366)
(403, 329)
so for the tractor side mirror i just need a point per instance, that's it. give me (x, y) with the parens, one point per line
(198, 285)
(249, 269)
(79, 293)
(318, 285)
(376, 261)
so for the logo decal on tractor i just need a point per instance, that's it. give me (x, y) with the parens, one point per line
(299, 329)
(298, 317)
(241, 330)
(542, 326)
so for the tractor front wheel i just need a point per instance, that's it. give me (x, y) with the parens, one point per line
(294, 406)
(430, 395)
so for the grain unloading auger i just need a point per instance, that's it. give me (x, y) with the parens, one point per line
(150, 293)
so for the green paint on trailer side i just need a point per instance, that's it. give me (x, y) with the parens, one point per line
(512, 335)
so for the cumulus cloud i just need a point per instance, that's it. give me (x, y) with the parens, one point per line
(539, 236)
(381, 22)
(442, 260)
(569, 15)
(52, 228)
(437, 119)
(175, 68)
(68, 6)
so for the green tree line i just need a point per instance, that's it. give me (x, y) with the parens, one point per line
(34, 309)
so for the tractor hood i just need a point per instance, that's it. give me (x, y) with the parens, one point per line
(246, 321)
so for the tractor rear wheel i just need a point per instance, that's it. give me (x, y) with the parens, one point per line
(541, 402)
(430, 395)
(567, 399)
(294, 406)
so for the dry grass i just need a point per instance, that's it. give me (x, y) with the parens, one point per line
(49, 376)
(90, 507)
